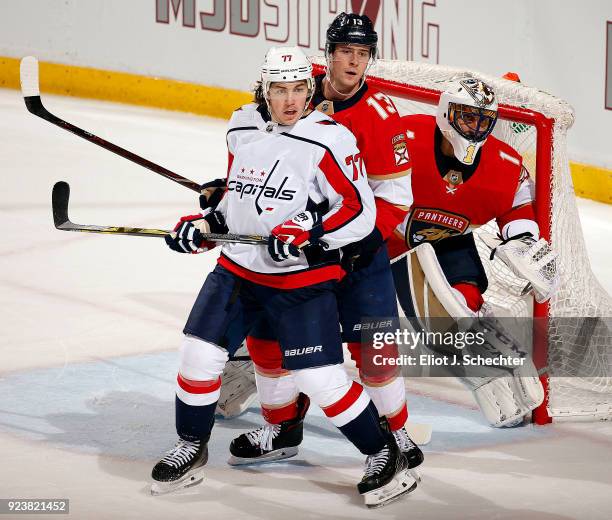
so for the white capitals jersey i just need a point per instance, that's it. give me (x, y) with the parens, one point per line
(276, 172)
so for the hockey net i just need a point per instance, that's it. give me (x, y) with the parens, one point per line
(576, 342)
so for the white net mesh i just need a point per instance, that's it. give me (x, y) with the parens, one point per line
(579, 350)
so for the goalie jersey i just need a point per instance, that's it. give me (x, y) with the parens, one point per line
(498, 187)
(274, 173)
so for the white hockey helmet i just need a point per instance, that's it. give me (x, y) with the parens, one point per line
(286, 64)
(466, 115)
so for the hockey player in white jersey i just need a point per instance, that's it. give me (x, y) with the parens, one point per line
(287, 179)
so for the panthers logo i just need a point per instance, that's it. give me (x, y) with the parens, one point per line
(431, 235)
(432, 224)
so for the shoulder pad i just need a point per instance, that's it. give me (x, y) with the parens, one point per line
(246, 115)
(322, 129)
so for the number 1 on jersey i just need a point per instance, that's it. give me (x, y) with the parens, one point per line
(469, 154)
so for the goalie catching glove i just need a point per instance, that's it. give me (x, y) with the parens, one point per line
(533, 260)
(287, 239)
(189, 232)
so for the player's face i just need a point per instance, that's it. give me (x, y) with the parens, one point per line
(288, 101)
(349, 63)
(472, 122)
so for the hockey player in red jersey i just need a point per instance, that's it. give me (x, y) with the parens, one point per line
(462, 178)
(367, 290)
(282, 166)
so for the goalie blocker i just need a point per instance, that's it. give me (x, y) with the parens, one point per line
(504, 395)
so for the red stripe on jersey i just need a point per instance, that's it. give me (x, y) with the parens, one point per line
(351, 201)
(525, 211)
(198, 387)
(388, 217)
(345, 402)
(285, 280)
(230, 161)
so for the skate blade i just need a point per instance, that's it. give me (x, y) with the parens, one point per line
(402, 484)
(280, 454)
(189, 480)
(415, 475)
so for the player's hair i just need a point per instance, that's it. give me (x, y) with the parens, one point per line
(258, 94)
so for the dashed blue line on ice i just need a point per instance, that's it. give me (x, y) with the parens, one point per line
(124, 407)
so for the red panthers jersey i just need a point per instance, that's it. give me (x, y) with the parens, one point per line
(373, 119)
(447, 206)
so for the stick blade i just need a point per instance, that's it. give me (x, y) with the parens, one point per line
(59, 203)
(28, 74)
(420, 433)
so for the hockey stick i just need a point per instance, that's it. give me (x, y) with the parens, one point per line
(60, 199)
(31, 95)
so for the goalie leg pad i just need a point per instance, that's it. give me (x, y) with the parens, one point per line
(499, 401)
(505, 400)
(508, 397)
(238, 390)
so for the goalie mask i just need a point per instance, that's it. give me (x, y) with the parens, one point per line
(286, 65)
(467, 113)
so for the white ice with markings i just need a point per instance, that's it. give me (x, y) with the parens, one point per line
(90, 325)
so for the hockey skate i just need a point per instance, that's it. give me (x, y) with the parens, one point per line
(387, 477)
(270, 442)
(181, 467)
(411, 451)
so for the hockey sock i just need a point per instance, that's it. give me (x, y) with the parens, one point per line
(390, 401)
(364, 431)
(398, 420)
(357, 418)
(194, 423)
(195, 407)
(281, 414)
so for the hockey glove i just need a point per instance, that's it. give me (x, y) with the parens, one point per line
(359, 255)
(289, 238)
(188, 237)
(212, 193)
(533, 260)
